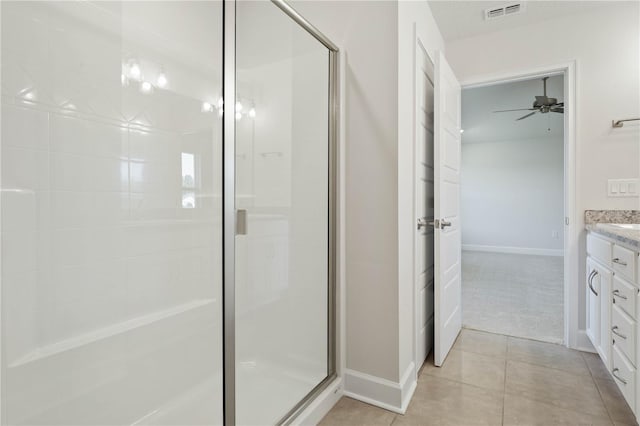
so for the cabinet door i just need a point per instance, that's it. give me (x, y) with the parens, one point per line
(602, 280)
(593, 304)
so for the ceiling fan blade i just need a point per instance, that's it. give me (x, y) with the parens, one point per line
(522, 109)
(525, 116)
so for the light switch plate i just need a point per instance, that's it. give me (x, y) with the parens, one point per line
(622, 187)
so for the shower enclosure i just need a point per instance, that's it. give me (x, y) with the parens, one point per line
(167, 212)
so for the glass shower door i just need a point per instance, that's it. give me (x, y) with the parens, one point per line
(111, 213)
(282, 253)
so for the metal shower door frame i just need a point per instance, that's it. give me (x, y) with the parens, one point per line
(229, 209)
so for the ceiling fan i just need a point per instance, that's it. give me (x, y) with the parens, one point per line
(543, 104)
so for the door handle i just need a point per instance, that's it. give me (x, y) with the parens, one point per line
(618, 261)
(241, 222)
(444, 224)
(614, 330)
(424, 222)
(613, 373)
(591, 277)
(616, 293)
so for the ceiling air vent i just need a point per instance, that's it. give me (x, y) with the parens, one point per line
(499, 12)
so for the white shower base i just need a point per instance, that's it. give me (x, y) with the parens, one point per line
(263, 388)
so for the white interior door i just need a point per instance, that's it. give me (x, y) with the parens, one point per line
(424, 204)
(447, 247)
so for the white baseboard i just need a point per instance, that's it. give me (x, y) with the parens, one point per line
(381, 392)
(408, 383)
(513, 250)
(321, 405)
(583, 343)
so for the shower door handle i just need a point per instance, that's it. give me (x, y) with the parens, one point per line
(241, 222)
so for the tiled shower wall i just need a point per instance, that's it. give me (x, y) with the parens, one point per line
(111, 261)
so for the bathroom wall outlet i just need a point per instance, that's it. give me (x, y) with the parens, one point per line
(622, 187)
(554, 235)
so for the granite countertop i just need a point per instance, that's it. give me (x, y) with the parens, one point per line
(603, 222)
(629, 238)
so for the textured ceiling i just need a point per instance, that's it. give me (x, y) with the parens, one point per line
(460, 19)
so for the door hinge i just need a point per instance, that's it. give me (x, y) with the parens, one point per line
(566, 221)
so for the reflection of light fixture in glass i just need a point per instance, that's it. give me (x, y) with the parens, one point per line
(461, 130)
(124, 80)
(252, 113)
(206, 107)
(30, 95)
(238, 107)
(162, 80)
(134, 71)
(146, 87)
(238, 115)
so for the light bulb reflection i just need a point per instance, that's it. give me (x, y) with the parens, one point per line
(134, 71)
(252, 113)
(238, 107)
(238, 116)
(162, 80)
(207, 107)
(146, 87)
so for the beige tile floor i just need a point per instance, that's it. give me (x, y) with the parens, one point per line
(513, 294)
(492, 379)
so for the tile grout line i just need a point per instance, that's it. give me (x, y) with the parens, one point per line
(504, 391)
(599, 392)
(394, 419)
(553, 368)
(462, 383)
(546, 402)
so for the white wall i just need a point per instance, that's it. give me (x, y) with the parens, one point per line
(360, 29)
(378, 41)
(606, 46)
(512, 195)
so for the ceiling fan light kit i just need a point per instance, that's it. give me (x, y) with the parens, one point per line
(543, 104)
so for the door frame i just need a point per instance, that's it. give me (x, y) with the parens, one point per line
(573, 336)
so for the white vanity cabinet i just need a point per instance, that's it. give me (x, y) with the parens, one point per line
(613, 297)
